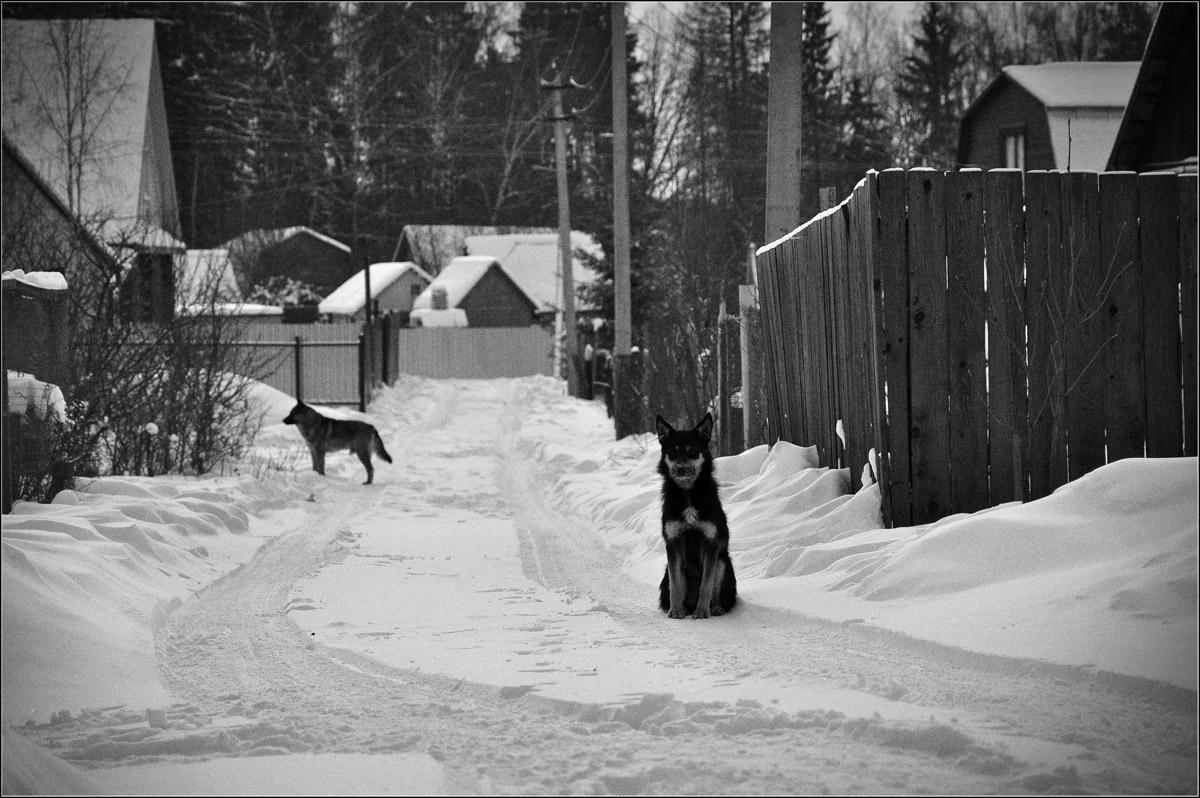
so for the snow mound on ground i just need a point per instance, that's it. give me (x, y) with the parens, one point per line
(1101, 573)
(89, 571)
(1087, 522)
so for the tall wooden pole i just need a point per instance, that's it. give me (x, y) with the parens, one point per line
(622, 321)
(783, 121)
(565, 255)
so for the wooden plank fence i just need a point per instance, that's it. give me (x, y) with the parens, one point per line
(990, 335)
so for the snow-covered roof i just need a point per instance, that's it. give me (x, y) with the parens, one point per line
(459, 277)
(1078, 84)
(202, 270)
(261, 238)
(349, 297)
(119, 182)
(531, 259)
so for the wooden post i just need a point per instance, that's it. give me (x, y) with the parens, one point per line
(622, 321)
(748, 302)
(362, 373)
(565, 256)
(783, 121)
(299, 360)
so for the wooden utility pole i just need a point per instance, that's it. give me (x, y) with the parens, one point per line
(622, 321)
(565, 254)
(626, 374)
(783, 121)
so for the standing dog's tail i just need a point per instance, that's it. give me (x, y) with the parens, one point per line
(379, 450)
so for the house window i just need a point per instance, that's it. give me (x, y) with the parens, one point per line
(1013, 143)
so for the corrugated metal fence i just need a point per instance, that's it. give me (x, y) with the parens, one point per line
(343, 362)
(991, 335)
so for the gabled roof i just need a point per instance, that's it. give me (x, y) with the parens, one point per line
(96, 246)
(1077, 84)
(460, 276)
(1090, 94)
(200, 271)
(532, 260)
(258, 239)
(350, 297)
(118, 183)
(432, 246)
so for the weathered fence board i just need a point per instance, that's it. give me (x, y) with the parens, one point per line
(1004, 239)
(1158, 200)
(965, 325)
(893, 272)
(1124, 397)
(1043, 267)
(1082, 320)
(1189, 249)
(929, 381)
(1014, 330)
(860, 419)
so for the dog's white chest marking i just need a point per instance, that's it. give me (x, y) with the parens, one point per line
(691, 520)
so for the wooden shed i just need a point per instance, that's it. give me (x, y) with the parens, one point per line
(1061, 115)
(394, 288)
(481, 287)
(297, 253)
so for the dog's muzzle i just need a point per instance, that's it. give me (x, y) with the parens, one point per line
(684, 473)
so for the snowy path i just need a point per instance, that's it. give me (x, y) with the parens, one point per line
(527, 659)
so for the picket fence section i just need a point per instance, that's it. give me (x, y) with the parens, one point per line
(990, 335)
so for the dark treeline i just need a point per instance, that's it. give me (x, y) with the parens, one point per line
(358, 118)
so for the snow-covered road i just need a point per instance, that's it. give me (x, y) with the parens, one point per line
(466, 625)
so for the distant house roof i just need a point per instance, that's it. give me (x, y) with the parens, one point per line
(532, 260)
(432, 246)
(350, 297)
(1084, 102)
(460, 276)
(258, 239)
(201, 271)
(127, 179)
(1077, 84)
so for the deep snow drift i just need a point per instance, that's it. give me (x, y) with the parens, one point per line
(1101, 575)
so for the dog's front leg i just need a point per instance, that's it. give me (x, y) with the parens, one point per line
(677, 580)
(707, 580)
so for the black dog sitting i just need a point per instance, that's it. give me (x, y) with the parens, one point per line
(699, 579)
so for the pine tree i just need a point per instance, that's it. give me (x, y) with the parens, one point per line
(820, 120)
(930, 87)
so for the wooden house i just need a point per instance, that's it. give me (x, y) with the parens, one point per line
(394, 288)
(532, 259)
(1158, 131)
(1050, 116)
(121, 182)
(296, 253)
(481, 287)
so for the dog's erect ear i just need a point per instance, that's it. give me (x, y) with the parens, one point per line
(704, 428)
(662, 427)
